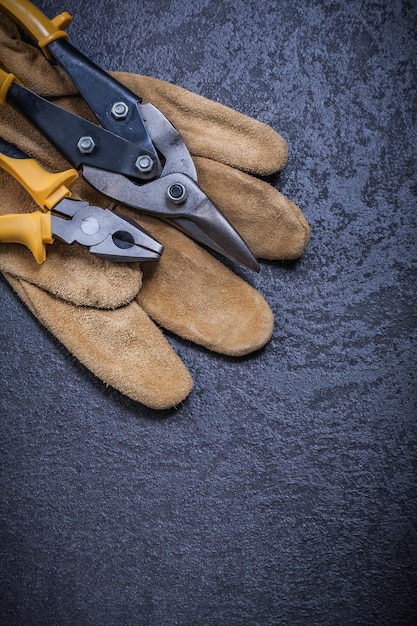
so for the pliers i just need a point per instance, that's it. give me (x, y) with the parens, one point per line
(105, 233)
(134, 155)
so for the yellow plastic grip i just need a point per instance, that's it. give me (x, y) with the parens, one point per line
(5, 82)
(46, 188)
(42, 29)
(33, 230)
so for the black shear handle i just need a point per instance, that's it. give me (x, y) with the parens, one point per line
(12, 151)
(115, 106)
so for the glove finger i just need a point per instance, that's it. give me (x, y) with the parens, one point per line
(70, 274)
(213, 130)
(192, 294)
(122, 347)
(272, 226)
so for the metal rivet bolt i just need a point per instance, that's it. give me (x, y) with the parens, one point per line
(144, 163)
(90, 226)
(86, 145)
(119, 110)
(177, 193)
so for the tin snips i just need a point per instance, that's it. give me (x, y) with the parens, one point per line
(134, 155)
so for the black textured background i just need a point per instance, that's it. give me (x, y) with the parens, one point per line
(283, 491)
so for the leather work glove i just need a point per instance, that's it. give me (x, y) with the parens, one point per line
(106, 313)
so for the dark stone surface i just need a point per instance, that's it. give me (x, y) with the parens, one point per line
(283, 491)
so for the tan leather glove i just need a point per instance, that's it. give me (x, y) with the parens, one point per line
(102, 311)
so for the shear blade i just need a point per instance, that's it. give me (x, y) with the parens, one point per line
(211, 228)
(197, 216)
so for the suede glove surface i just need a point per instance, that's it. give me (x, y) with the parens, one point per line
(108, 315)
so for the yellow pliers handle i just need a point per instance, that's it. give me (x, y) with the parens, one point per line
(42, 29)
(32, 230)
(47, 189)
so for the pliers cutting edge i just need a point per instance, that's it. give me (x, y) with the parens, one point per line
(105, 233)
(135, 156)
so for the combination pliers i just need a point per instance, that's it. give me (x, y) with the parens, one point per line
(103, 232)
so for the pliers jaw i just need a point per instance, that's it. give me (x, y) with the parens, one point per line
(105, 233)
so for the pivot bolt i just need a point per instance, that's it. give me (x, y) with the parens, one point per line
(144, 163)
(119, 110)
(90, 226)
(86, 145)
(177, 193)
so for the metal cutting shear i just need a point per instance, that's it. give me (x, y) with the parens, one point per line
(105, 233)
(135, 156)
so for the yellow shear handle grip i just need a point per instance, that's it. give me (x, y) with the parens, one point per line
(46, 188)
(33, 230)
(42, 29)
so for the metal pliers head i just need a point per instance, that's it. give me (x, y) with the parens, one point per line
(105, 233)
